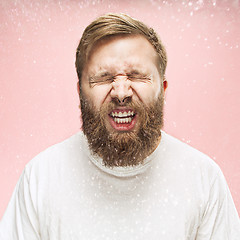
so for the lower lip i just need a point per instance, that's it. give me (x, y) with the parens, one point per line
(123, 126)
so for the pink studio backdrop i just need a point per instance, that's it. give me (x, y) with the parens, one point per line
(38, 94)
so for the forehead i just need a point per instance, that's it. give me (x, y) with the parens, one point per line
(122, 53)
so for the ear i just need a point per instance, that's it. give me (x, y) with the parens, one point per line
(165, 84)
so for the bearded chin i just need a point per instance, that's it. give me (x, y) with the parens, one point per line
(123, 148)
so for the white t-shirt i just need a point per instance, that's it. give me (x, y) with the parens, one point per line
(66, 193)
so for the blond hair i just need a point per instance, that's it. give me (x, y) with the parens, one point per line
(116, 24)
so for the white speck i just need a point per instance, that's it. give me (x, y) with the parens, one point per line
(34, 61)
(190, 4)
(191, 13)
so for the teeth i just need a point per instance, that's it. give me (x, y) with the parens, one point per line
(122, 114)
(122, 117)
(122, 120)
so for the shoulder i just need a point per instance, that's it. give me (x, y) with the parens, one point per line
(189, 160)
(57, 155)
(176, 148)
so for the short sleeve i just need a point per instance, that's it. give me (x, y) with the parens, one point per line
(220, 220)
(20, 220)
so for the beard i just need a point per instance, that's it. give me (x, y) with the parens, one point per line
(118, 148)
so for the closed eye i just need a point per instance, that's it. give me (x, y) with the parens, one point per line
(139, 78)
(100, 80)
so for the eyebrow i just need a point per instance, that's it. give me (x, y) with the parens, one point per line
(137, 72)
(100, 75)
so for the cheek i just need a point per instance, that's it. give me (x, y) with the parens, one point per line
(147, 93)
(97, 95)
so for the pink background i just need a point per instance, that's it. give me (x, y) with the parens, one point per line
(38, 95)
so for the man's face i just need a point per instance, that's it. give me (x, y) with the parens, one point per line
(121, 85)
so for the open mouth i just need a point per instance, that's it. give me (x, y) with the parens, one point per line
(122, 119)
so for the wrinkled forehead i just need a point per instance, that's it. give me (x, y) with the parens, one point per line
(108, 39)
(104, 40)
(124, 62)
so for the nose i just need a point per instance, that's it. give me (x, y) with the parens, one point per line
(121, 89)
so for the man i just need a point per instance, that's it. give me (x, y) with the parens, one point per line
(122, 178)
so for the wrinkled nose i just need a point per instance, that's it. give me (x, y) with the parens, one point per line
(121, 89)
